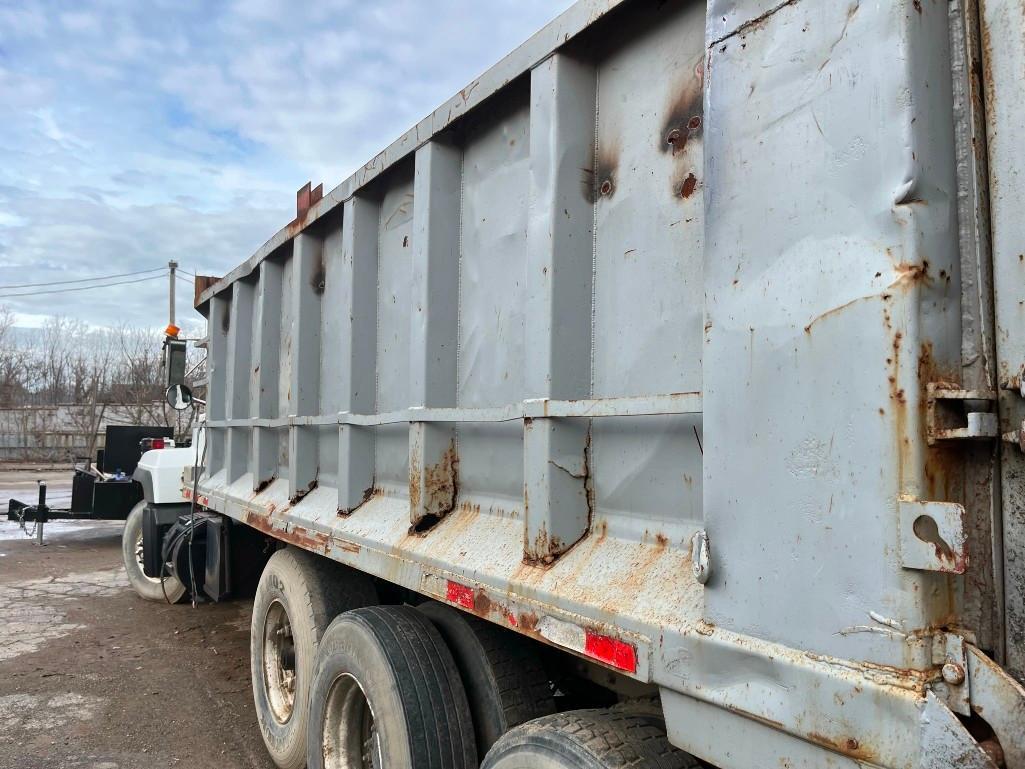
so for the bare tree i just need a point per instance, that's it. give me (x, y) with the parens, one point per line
(88, 376)
(12, 362)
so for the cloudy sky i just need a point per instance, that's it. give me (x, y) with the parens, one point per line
(136, 132)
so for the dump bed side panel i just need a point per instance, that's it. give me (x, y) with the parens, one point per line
(642, 339)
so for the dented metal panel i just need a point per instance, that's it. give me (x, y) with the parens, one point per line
(672, 330)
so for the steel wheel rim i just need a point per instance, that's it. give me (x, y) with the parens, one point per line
(139, 559)
(351, 738)
(279, 663)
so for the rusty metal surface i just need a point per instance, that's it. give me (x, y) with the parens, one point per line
(1000, 701)
(669, 344)
(983, 600)
(1003, 58)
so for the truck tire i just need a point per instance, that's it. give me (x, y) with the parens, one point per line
(149, 588)
(504, 680)
(386, 693)
(297, 597)
(589, 739)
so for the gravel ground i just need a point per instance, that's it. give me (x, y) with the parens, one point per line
(93, 677)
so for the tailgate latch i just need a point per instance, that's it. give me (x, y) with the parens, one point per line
(954, 414)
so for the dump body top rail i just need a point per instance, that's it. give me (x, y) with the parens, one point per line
(653, 335)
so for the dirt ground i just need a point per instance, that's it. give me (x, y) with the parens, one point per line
(93, 677)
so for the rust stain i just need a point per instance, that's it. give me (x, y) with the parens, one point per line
(305, 198)
(546, 549)
(600, 181)
(528, 622)
(911, 273)
(298, 536)
(944, 464)
(433, 494)
(848, 746)
(684, 112)
(481, 603)
(689, 185)
(368, 493)
(262, 485)
(303, 492)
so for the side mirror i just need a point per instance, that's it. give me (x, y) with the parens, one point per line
(179, 397)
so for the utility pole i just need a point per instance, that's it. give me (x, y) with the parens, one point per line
(171, 266)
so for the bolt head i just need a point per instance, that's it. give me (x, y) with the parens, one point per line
(953, 674)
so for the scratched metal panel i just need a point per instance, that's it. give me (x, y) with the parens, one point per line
(648, 286)
(393, 319)
(832, 299)
(491, 355)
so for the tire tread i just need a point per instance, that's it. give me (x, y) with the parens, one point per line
(421, 659)
(614, 738)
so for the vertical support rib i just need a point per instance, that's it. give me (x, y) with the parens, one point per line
(559, 283)
(266, 361)
(217, 376)
(433, 458)
(358, 351)
(304, 382)
(239, 355)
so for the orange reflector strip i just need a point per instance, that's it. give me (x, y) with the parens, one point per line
(611, 651)
(459, 594)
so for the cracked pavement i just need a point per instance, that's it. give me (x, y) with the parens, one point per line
(94, 677)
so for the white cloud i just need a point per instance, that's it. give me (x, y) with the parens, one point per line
(133, 133)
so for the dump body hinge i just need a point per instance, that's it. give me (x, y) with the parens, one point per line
(953, 414)
(950, 652)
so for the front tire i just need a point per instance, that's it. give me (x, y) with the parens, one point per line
(298, 595)
(149, 588)
(387, 694)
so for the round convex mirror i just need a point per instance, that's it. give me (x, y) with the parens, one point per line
(179, 397)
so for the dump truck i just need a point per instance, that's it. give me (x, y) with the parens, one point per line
(656, 400)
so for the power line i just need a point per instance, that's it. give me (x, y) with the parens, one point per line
(80, 280)
(79, 288)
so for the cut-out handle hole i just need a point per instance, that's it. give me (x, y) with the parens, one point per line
(925, 529)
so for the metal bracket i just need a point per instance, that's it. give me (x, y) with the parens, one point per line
(954, 414)
(932, 536)
(949, 651)
(1000, 701)
(700, 557)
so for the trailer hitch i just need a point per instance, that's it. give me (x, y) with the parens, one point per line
(39, 514)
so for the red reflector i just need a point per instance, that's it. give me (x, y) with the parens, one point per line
(611, 651)
(460, 594)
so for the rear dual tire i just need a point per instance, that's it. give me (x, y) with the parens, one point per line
(589, 739)
(387, 693)
(505, 683)
(298, 595)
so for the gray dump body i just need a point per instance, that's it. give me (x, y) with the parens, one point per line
(672, 341)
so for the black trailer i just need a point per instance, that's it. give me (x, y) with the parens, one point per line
(104, 491)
